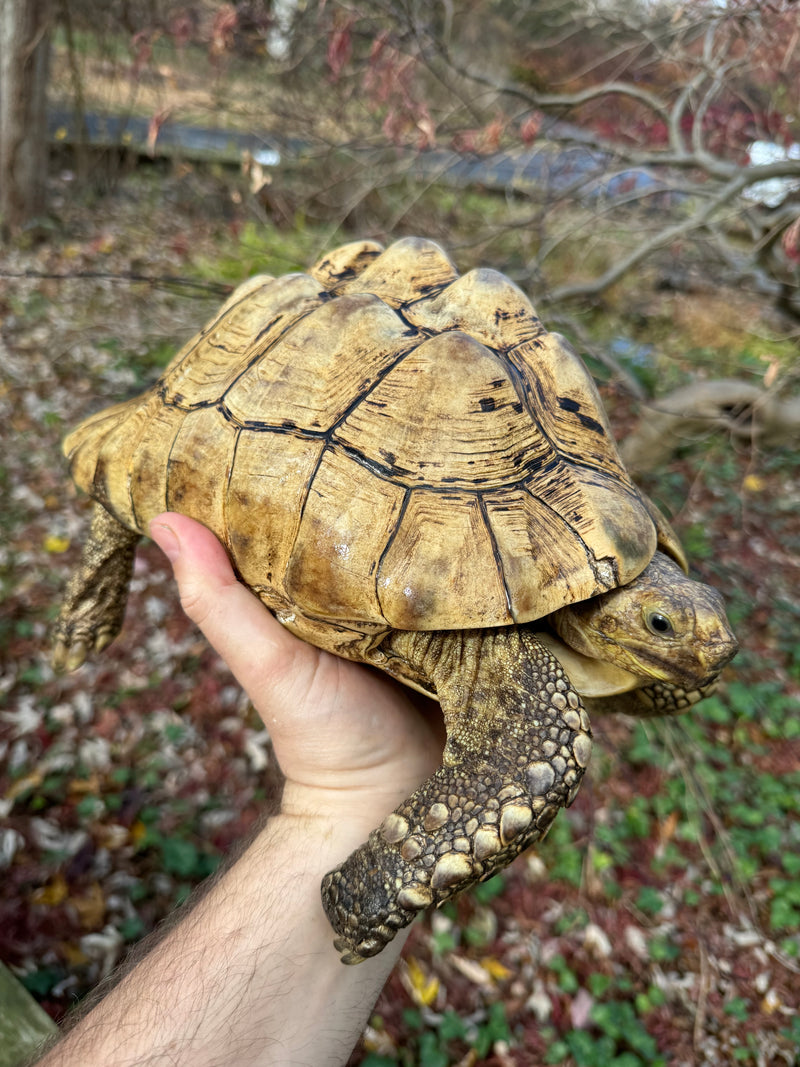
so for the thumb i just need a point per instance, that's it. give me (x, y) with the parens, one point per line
(258, 650)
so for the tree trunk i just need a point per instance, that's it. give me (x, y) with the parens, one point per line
(24, 55)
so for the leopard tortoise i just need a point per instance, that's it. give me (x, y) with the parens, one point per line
(410, 471)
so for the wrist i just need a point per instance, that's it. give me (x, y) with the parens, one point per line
(338, 820)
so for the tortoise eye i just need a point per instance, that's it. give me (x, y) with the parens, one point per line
(659, 624)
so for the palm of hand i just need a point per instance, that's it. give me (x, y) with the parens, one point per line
(345, 736)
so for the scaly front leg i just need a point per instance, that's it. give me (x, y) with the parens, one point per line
(518, 744)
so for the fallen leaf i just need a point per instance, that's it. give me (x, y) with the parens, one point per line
(666, 830)
(753, 483)
(423, 988)
(495, 968)
(471, 969)
(22, 785)
(54, 893)
(72, 954)
(90, 906)
(55, 544)
(138, 832)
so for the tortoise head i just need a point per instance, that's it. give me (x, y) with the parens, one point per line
(662, 626)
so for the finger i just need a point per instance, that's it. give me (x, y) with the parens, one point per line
(260, 652)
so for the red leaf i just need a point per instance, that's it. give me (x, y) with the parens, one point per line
(791, 241)
(340, 48)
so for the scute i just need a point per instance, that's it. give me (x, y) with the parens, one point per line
(344, 263)
(483, 303)
(246, 328)
(441, 565)
(408, 270)
(447, 415)
(266, 492)
(332, 570)
(316, 371)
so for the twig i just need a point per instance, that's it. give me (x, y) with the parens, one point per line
(165, 280)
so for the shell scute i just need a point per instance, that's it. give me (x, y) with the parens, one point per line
(149, 463)
(565, 402)
(483, 303)
(310, 377)
(408, 270)
(200, 463)
(344, 263)
(450, 415)
(248, 326)
(443, 535)
(265, 495)
(347, 520)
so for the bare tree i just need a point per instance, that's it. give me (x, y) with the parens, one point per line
(24, 54)
(622, 109)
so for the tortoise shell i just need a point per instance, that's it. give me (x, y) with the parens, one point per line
(382, 443)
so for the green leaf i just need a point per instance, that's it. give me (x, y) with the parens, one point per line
(488, 890)
(738, 1008)
(649, 900)
(452, 1027)
(180, 856)
(430, 1053)
(42, 981)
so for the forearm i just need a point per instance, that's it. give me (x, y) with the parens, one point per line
(249, 977)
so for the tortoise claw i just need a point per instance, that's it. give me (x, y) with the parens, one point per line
(68, 657)
(58, 656)
(103, 640)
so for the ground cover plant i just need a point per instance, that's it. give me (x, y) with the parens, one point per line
(659, 921)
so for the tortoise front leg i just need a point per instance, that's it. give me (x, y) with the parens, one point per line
(94, 602)
(518, 743)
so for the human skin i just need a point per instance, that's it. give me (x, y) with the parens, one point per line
(250, 976)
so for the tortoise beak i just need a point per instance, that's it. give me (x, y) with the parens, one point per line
(720, 652)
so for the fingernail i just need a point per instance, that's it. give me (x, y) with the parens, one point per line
(164, 536)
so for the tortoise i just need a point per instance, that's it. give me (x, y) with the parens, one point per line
(410, 471)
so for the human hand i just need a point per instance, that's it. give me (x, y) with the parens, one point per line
(351, 742)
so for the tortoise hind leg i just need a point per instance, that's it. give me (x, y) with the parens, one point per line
(518, 743)
(94, 602)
